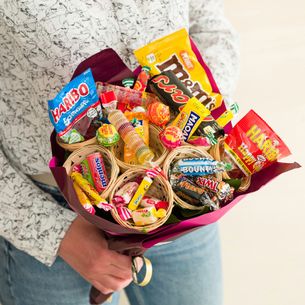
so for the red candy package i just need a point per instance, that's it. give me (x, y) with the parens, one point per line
(253, 145)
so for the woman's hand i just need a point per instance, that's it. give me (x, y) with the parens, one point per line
(85, 249)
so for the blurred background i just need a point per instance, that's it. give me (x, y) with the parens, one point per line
(263, 246)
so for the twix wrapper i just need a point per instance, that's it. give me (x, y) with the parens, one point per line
(253, 145)
(174, 53)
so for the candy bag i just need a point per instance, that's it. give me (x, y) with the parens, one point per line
(141, 125)
(253, 145)
(174, 52)
(74, 108)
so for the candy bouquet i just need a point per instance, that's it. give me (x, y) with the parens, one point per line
(150, 155)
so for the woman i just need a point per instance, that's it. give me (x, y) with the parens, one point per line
(48, 255)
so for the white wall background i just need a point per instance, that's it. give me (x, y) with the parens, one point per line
(263, 237)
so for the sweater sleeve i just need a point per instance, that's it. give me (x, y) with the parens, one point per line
(29, 218)
(217, 41)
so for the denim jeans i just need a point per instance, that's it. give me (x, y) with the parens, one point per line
(185, 271)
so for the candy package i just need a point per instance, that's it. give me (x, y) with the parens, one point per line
(128, 98)
(253, 145)
(174, 53)
(74, 108)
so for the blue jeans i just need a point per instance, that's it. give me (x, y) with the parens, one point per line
(186, 271)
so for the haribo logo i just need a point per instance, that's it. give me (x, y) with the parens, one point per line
(69, 100)
(263, 142)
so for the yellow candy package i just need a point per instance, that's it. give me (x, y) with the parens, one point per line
(190, 117)
(174, 53)
(141, 125)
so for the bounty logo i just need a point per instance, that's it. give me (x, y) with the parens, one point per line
(189, 126)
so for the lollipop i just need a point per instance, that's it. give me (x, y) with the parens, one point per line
(171, 137)
(107, 135)
(158, 113)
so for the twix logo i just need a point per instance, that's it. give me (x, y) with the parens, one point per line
(162, 81)
(173, 64)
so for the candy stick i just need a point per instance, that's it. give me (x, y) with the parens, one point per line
(83, 199)
(91, 192)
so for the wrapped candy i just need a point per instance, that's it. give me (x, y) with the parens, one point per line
(125, 193)
(91, 192)
(107, 135)
(158, 113)
(98, 171)
(83, 199)
(147, 216)
(142, 80)
(171, 137)
(130, 137)
(194, 194)
(200, 166)
(148, 201)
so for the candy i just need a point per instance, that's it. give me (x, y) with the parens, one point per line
(225, 118)
(72, 137)
(98, 171)
(125, 193)
(158, 113)
(109, 101)
(171, 137)
(147, 216)
(253, 145)
(140, 123)
(193, 194)
(124, 213)
(154, 202)
(138, 109)
(107, 135)
(130, 137)
(141, 191)
(77, 168)
(83, 199)
(75, 107)
(128, 98)
(128, 82)
(223, 190)
(85, 170)
(190, 117)
(169, 89)
(210, 128)
(154, 172)
(90, 191)
(199, 141)
(200, 166)
(174, 53)
(142, 80)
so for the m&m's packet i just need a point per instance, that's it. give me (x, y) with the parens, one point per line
(174, 53)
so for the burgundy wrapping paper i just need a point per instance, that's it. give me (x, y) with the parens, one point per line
(108, 67)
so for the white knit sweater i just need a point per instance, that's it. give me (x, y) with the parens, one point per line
(41, 43)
